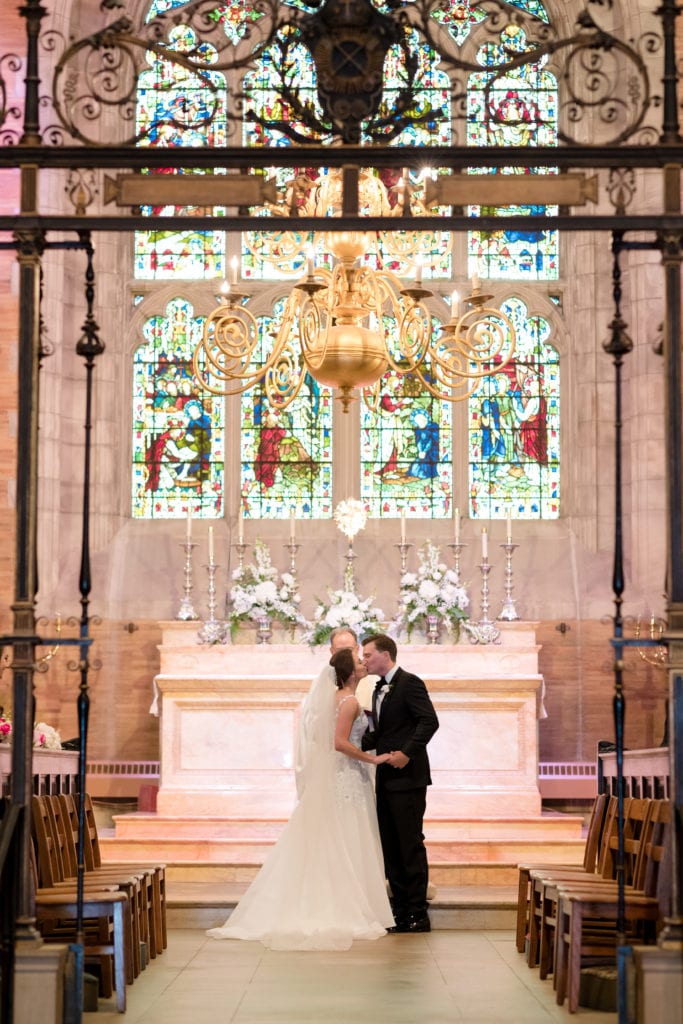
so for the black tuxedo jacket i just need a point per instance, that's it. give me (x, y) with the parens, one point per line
(407, 722)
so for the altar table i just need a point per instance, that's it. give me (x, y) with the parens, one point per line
(228, 717)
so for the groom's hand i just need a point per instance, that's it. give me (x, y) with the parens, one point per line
(397, 759)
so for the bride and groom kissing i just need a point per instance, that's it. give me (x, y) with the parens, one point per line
(324, 883)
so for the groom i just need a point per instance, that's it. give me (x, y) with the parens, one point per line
(405, 721)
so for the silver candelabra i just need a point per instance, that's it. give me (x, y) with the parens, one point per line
(457, 549)
(403, 549)
(485, 630)
(213, 631)
(292, 547)
(186, 612)
(508, 612)
(240, 547)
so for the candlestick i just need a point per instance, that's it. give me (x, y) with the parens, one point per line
(508, 612)
(211, 545)
(186, 612)
(484, 544)
(403, 549)
(213, 631)
(456, 526)
(484, 631)
(292, 548)
(188, 525)
(403, 526)
(240, 548)
(457, 548)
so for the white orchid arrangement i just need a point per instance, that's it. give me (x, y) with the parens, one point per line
(351, 517)
(344, 608)
(258, 593)
(433, 590)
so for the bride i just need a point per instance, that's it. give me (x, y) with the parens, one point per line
(322, 885)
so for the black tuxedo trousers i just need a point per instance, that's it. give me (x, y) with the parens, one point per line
(406, 721)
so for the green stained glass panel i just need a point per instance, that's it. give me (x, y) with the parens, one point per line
(286, 454)
(176, 107)
(178, 428)
(514, 428)
(519, 109)
(407, 451)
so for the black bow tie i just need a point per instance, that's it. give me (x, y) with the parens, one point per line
(380, 683)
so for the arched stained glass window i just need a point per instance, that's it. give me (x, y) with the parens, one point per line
(514, 428)
(520, 109)
(406, 451)
(178, 430)
(282, 255)
(286, 454)
(178, 108)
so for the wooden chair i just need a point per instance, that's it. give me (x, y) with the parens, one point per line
(601, 866)
(590, 855)
(93, 859)
(51, 881)
(637, 813)
(66, 816)
(578, 910)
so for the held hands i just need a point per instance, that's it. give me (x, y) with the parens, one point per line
(397, 759)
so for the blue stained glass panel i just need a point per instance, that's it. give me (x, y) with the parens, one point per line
(286, 454)
(514, 428)
(178, 427)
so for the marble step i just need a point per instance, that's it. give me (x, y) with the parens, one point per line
(206, 904)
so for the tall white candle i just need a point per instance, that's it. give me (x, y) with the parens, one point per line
(418, 271)
(233, 270)
(240, 526)
(211, 545)
(292, 527)
(484, 544)
(456, 526)
(188, 525)
(475, 281)
(455, 305)
(509, 526)
(403, 526)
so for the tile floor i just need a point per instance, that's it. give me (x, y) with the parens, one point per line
(476, 977)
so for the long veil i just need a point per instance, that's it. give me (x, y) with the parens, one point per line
(314, 762)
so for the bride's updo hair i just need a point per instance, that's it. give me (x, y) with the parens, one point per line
(344, 666)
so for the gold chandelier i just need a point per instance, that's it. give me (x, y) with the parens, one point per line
(348, 325)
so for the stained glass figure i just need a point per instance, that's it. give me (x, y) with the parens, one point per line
(178, 428)
(514, 428)
(406, 451)
(286, 454)
(519, 109)
(176, 107)
(459, 17)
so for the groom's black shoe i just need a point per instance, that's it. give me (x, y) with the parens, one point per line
(414, 923)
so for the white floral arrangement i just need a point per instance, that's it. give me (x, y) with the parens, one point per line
(344, 608)
(351, 517)
(45, 737)
(433, 590)
(257, 593)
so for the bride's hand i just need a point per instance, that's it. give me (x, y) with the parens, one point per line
(381, 758)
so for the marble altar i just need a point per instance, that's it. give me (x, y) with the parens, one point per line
(228, 716)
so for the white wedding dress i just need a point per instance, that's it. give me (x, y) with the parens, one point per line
(322, 885)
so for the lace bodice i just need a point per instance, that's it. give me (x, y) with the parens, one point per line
(352, 775)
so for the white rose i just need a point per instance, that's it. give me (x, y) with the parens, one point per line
(427, 590)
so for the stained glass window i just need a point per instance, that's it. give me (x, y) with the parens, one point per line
(286, 454)
(176, 107)
(519, 109)
(178, 430)
(406, 451)
(282, 255)
(514, 428)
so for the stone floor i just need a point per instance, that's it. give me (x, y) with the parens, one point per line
(476, 977)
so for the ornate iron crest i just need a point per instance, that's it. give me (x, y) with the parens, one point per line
(349, 40)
